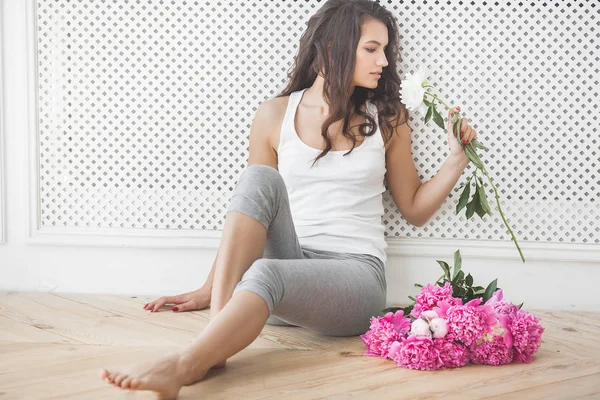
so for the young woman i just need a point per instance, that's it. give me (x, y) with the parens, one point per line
(303, 244)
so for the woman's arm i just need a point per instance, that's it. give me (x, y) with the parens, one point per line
(431, 195)
(417, 201)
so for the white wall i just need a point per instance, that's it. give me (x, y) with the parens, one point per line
(556, 275)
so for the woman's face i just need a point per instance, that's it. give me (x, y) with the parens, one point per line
(370, 56)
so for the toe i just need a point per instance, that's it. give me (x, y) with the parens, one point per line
(135, 383)
(120, 379)
(113, 376)
(104, 373)
(126, 383)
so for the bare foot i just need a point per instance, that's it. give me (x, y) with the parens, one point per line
(165, 376)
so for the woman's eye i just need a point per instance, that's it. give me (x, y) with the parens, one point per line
(371, 50)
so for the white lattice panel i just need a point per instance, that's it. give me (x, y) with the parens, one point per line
(145, 109)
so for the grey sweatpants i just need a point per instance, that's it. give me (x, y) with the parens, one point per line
(326, 292)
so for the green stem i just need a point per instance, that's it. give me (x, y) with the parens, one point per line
(440, 100)
(513, 238)
(438, 279)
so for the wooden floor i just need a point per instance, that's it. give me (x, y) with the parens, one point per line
(52, 346)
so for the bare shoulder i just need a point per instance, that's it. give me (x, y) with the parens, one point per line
(272, 112)
(400, 127)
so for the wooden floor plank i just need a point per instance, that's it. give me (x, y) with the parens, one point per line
(88, 324)
(587, 386)
(72, 376)
(104, 331)
(18, 331)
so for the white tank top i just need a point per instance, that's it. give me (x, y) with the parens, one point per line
(336, 205)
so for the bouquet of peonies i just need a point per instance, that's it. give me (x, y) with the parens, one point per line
(453, 323)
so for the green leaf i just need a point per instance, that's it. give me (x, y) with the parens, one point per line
(472, 155)
(457, 262)
(471, 205)
(469, 280)
(456, 129)
(489, 291)
(464, 198)
(428, 103)
(412, 298)
(483, 200)
(476, 143)
(437, 118)
(455, 291)
(458, 278)
(476, 288)
(446, 268)
(478, 209)
(520, 305)
(470, 293)
(418, 285)
(428, 115)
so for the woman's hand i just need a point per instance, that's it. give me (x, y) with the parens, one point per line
(467, 133)
(196, 300)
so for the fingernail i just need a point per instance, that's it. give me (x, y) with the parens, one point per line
(146, 305)
(175, 309)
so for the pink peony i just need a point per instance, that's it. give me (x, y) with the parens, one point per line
(506, 308)
(452, 353)
(430, 296)
(527, 335)
(444, 305)
(384, 331)
(502, 306)
(417, 353)
(470, 321)
(494, 352)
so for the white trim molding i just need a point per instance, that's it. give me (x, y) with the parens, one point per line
(415, 247)
(164, 238)
(2, 140)
(32, 121)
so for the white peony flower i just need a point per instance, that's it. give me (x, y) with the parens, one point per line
(413, 90)
(429, 315)
(420, 327)
(439, 327)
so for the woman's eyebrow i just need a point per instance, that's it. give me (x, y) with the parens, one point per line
(374, 41)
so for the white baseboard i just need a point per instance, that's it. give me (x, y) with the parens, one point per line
(417, 247)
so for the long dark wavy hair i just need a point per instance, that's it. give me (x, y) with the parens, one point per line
(338, 22)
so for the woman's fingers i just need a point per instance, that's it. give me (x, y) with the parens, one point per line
(469, 135)
(157, 304)
(187, 306)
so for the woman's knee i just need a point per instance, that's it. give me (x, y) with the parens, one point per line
(258, 193)
(260, 175)
(263, 184)
(266, 273)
